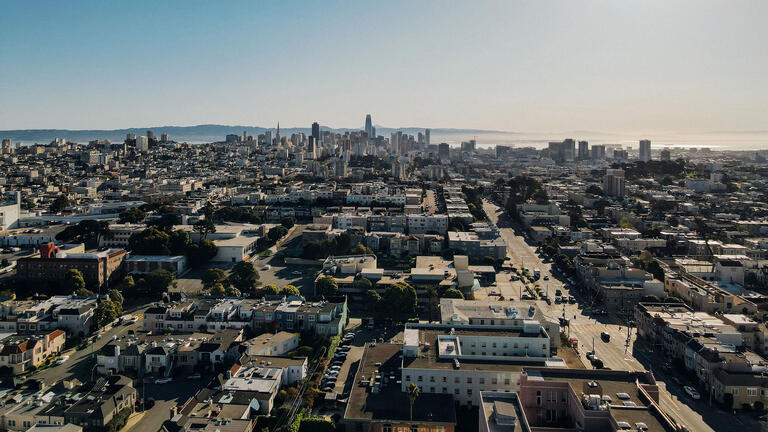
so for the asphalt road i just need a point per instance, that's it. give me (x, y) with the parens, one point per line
(615, 354)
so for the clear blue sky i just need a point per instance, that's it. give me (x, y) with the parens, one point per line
(620, 66)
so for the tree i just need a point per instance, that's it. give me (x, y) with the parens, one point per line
(400, 298)
(106, 312)
(288, 221)
(363, 284)
(83, 292)
(453, 293)
(594, 190)
(213, 276)
(361, 250)
(204, 227)
(649, 299)
(413, 393)
(372, 301)
(115, 296)
(127, 286)
(73, 281)
(151, 241)
(276, 233)
(158, 281)
(132, 215)
(178, 241)
(268, 290)
(200, 253)
(290, 290)
(326, 286)
(244, 276)
(218, 289)
(88, 231)
(59, 204)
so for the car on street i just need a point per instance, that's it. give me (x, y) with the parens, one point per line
(558, 299)
(196, 376)
(571, 299)
(296, 273)
(62, 359)
(266, 268)
(558, 293)
(605, 336)
(690, 391)
(546, 277)
(163, 380)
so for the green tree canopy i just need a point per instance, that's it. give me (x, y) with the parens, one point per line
(202, 252)
(400, 298)
(288, 221)
(212, 277)
(244, 276)
(106, 312)
(73, 281)
(453, 293)
(151, 241)
(363, 284)
(372, 301)
(132, 215)
(276, 233)
(290, 290)
(326, 286)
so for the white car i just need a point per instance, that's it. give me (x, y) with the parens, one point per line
(61, 360)
(163, 380)
(266, 268)
(692, 392)
(196, 376)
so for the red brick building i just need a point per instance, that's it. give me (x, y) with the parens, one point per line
(97, 267)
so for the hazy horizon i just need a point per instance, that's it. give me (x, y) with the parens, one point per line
(638, 69)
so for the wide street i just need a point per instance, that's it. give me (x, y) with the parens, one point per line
(615, 354)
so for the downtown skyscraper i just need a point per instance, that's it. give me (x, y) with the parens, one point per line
(368, 126)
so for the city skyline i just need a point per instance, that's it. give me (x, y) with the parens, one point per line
(538, 67)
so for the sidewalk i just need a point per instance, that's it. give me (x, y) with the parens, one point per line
(133, 420)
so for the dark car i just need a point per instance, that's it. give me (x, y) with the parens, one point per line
(606, 337)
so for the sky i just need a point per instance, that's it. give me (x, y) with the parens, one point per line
(537, 66)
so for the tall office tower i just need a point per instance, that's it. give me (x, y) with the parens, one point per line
(613, 183)
(421, 139)
(620, 154)
(569, 149)
(394, 144)
(468, 146)
(427, 132)
(150, 135)
(666, 155)
(598, 152)
(316, 131)
(372, 136)
(277, 136)
(645, 150)
(268, 138)
(583, 150)
(444, 151)
(142, 143)
(164, 137)
(245, 136)
(312, 144)
(368, 125)
(7, 147)
(130, 136)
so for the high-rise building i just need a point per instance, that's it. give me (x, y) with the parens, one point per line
(468, 146)
(368, 125)
(7, 146)
(583, 150)
(150, 135)
(142, 143)
(268, 137)
(613, 183)
(666, 155)
(562, 151)
(277, 135)
(444, 151)
(164, 138)
(645, 150)
(372, 135)
(598, 152)
(426, 136)
(316, 131)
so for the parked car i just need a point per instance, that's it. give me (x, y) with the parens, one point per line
(571, 299)
(605, 336)
(266, 268)
(546, 277)
(62, 359)
(558, 299)
(196, 376)
(692, 392)
(163, 380)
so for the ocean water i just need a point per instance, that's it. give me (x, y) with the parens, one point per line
(738, 141)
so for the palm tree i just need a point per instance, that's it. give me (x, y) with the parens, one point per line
(413, 393)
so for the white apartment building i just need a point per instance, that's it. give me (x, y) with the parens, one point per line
(465, 361)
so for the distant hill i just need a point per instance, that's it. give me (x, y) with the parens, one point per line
(195, 134)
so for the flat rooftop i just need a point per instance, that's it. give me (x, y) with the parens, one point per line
(386, 402)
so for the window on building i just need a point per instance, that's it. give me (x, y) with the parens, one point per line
(538, 398)
(469, 380)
